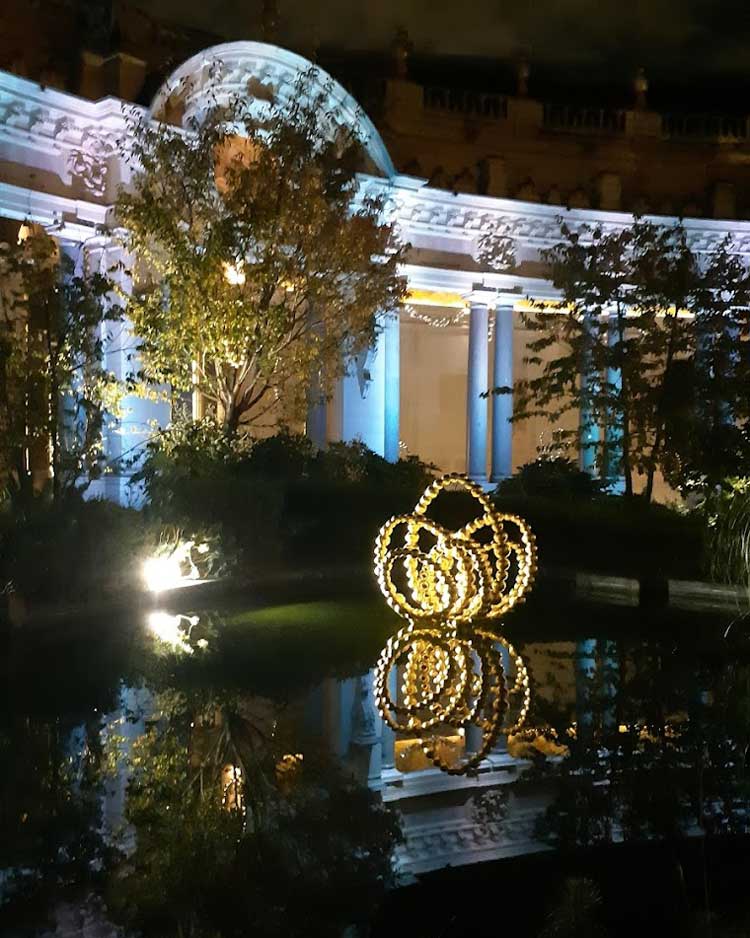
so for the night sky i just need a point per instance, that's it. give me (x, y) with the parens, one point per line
(686, 39)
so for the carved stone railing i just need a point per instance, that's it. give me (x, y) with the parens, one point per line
(598, 120)
(704, 127)
(466, 103)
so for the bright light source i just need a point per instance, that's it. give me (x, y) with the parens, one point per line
(162, 572)
(24, 233)
(169, 629)
(177, 566)
(234, 273)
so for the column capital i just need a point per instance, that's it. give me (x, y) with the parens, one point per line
(507, 300)
(391, 315)
(481, 295)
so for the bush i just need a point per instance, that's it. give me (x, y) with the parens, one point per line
(278, 498)
(613, 535)
(727, 515)
(72, 550)
(551, 477)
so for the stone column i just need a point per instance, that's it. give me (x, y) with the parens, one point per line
(365, 749)
(387, 736)
(128, 721)
(472, 732)
(588, 428)
(610, 684)
(68, 427)
(197, 401)
(477, 384)
(392, 396)
(124, 439)
(336, 698)
(362, 398)
(502, 743)
(613, 438)
(585, 672)
(502, 404)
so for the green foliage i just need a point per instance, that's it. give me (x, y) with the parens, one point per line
(72, 549)
(551, 477)
(700, 457)
(55, 395)
(233, 839)
(264, 256)
(609, 534)
(278, 498)
(727, 514)
(656, 380)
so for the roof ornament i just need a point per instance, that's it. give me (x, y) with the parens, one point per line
(523, 71)
(401, 49)
(640, 87)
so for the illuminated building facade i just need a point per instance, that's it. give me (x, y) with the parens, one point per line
(453, 166)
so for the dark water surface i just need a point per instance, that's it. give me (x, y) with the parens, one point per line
(223, 772)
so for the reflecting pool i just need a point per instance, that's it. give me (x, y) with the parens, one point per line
(193, 770)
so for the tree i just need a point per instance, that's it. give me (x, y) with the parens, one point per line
(693, 324)
(642, 321)
(264, 258)
(55, 393)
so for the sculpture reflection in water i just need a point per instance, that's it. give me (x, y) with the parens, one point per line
(449, 584)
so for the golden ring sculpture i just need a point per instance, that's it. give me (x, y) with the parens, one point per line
(451, 673)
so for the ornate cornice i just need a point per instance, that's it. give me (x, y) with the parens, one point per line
(75, 138)
(44, 131)
(68, 219)
(421, 210)
(461, 841)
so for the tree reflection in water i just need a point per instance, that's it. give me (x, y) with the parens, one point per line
(237, 822)
(236, 832)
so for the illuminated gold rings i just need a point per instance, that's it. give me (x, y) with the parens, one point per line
(451, 674)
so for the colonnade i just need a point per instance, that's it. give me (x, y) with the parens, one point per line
(366, 403)
(482, 305)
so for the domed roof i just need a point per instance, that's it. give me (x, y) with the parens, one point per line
(263, 73)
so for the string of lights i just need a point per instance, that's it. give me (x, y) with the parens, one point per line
(458, 318)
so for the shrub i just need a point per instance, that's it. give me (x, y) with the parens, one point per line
(727, 515)
(73, 549)
(551, 477)
(278, 497)
(613, 535)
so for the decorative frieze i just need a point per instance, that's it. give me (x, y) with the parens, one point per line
(462, 840)
(45, 129)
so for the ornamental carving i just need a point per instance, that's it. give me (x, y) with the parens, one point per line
(81, 145)
(530, 225)
(261, 73)
(89, 162)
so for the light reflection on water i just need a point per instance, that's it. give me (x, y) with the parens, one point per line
(635, 738)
